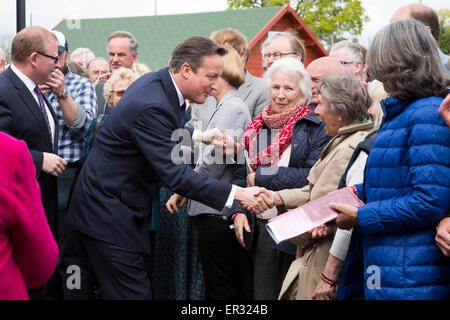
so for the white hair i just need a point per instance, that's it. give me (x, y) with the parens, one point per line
(86, 53)
(356, 53)
(293, 66)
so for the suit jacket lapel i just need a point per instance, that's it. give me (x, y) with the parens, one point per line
(171, 94)
(31, 104)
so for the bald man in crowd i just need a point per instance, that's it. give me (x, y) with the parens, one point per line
(319, 68)
(429, 18)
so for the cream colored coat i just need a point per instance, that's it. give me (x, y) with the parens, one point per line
(304, 273)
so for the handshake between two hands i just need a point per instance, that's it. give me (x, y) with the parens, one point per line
(254, 199)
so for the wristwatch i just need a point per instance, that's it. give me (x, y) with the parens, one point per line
(63, 95)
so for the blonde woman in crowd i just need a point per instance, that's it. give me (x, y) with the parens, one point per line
(113, 90)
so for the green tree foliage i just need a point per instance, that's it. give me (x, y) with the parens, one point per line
(329, 20)
(444, 40)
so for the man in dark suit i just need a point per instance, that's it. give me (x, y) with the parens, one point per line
(25, 114)
(112, 200)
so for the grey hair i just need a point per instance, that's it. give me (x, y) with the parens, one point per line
(403, 55)
(356, 52)
(80, 51)
(134, 45)
(297, 44)
(289, 65)
(347, 97)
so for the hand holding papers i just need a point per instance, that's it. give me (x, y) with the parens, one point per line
(309, 216)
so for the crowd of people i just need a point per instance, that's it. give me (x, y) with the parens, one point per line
(122, 183)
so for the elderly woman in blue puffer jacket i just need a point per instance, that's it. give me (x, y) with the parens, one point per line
(407, 177)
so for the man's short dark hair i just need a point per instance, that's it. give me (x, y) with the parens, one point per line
(192, 51)
(429, 18)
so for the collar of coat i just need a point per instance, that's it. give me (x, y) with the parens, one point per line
(392, 107)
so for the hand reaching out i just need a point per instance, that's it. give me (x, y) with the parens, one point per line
(254, 199)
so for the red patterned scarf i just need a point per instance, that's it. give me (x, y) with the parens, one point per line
(286, 120)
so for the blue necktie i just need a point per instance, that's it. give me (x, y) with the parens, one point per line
(183, 113)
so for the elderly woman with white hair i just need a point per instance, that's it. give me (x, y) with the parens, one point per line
(283, 143)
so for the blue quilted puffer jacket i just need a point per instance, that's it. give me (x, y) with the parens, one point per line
(407, 192)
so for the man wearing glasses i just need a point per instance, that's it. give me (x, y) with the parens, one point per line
(26, 114)
(352, 58)
(282, 45)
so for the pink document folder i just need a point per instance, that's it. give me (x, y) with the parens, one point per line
(309, 216)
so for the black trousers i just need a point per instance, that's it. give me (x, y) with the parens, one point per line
(227, 267)
(122, 274)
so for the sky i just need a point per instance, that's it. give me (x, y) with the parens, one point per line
(48, 13)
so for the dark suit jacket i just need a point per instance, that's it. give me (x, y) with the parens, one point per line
(113, 197)
(21, 117)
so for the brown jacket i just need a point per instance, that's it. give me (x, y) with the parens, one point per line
(304, 275)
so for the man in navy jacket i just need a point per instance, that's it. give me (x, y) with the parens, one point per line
(112, 200)
(26, 115)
